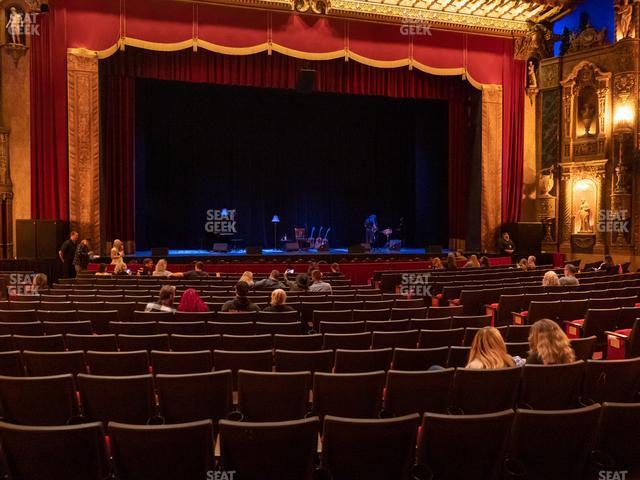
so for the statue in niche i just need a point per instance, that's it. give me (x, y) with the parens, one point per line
(584, 215)
(621, 177)
(546, 181)
(531, 75)
(15, 26)
(624, 14)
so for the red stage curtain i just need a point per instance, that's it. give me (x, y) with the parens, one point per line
(49, 167)
(270, 71)
(118, 127)
(512, 136)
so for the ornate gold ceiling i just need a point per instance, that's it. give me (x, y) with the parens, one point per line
(502, 17)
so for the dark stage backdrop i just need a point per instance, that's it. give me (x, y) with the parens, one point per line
(313, 159)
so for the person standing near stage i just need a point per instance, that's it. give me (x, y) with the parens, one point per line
(370, 229)
(506, 245)
(82, 256)
(67, 253)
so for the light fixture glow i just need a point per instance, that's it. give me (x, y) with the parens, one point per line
(624, 115)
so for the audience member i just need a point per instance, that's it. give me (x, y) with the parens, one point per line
(550, 279)
(484, 262)
(270, 283)
(460, 256)
(452, 264)
(609, 267)
(195, 274)
(317, 284)
(165, 300)
(522, 264)
(531, 262)
(102, 270)
(247, 277)
(436, 264)
(473, 262)
(241, 303)
(569, 277)
(67, 254)
(83, 255)
(489, 351)
(278, 302)
(121, 268)
(39, 284)
(506, 245)
(161, 269)
(191, 302)
(313, 266)
(548, 344)
(147, 268)
(334, 270)
(300, 284)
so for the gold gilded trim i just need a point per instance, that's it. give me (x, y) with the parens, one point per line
(214, 47)
(290, 52)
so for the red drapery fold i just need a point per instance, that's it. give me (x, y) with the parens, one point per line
(267, 71)
(49, 166)
(512, 136)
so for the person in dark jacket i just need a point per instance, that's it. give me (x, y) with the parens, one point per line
(241, 303)
(270, 283)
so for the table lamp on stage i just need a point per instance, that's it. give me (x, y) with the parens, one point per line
(275, 220)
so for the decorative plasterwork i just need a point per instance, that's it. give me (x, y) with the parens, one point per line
(505, 17)
(84, 146)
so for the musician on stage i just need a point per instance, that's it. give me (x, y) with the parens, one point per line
(370, 229)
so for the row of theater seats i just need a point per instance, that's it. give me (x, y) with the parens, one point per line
(263, 396)
(598, 440)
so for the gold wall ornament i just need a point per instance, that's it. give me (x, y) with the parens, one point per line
(84, 147)
(624, 13)
(588, 38)
(6, 198)
(536, 43)
(319, 7)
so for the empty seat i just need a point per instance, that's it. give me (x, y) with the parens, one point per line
(11, 364)
(461, 447)
(273, 397)
(369, 449)
(303, 360)
(612, 380)
(584, 347)
(245, 343)
(284, 450)
(408, 302)
(342, 327)
(133, 328)
(100, 343)
(471, 321)
(6, 343)
(47, 400)
(562, 438)
(128, 343)
(190, 343)
(118, 363)
(125, 310)
(443, 323)
(99, 319)
(259, 361)
(387, 325)
(62, 328)
(413, 359)
(181, 362)
(327, 315)
(617, 444)
(347, 341)
(516, 333)
(182, 328)
(458, 356)
(197, 396)
(233, 328)
(42, 364)
(353, 395)
(34, 453)
(551, 387)
(163, 452)
(484, 391)
(50, 343)
(418, 391)
(117, 399)
(379, 304)
(441, 312)
(194, 317)
(408, 313)
(440, 338)
(402, 339)
(22, 328)
(572, 309)
(279, 317)
(375, 315)
(354, 361)
(57, 316)
(235, 317)
(294, 328)
(297, 342)
(21, 316)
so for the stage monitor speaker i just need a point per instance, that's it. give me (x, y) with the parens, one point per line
(159, 251)
(527, 236)
(26, 239)
(220, 247)
(323, 248)
(360, 248)
(291, 247)
(254, 250)
(306, 80)
(49, 236)
(395, 244)
(437, 249)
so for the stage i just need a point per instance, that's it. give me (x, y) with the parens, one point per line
(281, 254)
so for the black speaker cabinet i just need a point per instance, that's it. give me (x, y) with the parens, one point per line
(292, 246)
(49, 237)
(360, 248)
(254, 250)
(527, 236)
(26, 239)
(220, 247)
(159, 251)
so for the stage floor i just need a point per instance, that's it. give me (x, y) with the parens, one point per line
(275, 253)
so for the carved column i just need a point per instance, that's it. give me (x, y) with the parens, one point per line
(6, 198)
(84, 146)
(491, 197)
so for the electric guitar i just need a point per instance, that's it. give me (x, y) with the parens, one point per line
(311, 238)
(318, 240)
(325, 242)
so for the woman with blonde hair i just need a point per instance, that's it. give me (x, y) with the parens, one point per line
(522, 264)
(121, 268)
(549, 345)
(550, 279)
(436, 264)
(247, 277)
(489, 351)
(161, 269)
(117, 252)
(473, 262)
(278, 302)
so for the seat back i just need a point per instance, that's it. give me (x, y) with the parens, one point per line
(402, 339)
(181, 362)
(418, 391)
(11, 364)
(440, 338)
(417, 359)
(273, 397)
(259, 361)
(347, 341)
(42, 364)
(275, 449)
(612, 380)
(618, 436)
(352, 395)
(371, 449)
(551, 387)
(297, 342)
(471, 321)
(584, 347)
(484, 391)
(354, 361)
(130, 343)
(118, 363)
(245, 343)
(302, 360)
(192, 343)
